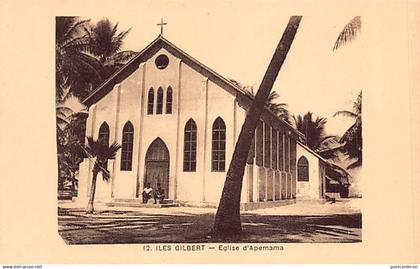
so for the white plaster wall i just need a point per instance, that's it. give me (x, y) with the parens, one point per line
(322, 179)
(101, 112)
(221, 104)
(191, 185)
(129, 110)
(105, 112)
(82, 194)
(308, 189)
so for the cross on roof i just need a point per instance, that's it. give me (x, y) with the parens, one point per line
(161, 24)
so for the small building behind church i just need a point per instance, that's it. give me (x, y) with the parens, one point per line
(311, 175)
(178, 121)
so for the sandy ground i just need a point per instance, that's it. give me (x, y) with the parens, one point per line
(301, 222)
(343, 206)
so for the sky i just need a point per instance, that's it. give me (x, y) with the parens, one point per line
(237, 40)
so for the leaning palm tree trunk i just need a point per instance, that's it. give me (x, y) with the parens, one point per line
(227, 221)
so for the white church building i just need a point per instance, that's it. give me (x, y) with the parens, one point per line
(178, 121)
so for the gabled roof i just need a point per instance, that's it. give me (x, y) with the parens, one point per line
(144, 55)
(311, 151)
(327, 162)
(153, 48)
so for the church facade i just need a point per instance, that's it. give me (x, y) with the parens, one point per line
(178, 121)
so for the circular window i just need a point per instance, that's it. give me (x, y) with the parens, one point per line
(162, 61)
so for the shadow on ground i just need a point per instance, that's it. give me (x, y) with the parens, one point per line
(125, 227)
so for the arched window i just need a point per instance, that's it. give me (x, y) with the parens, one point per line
(150, 101)
(159, 105)
(218, 149)
(103, 137)
(303, 169)
(190, 146)
(127, 147)
(169, 100)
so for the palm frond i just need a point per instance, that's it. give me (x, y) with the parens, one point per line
(123, 57)
(106, 175)
(73, 45)
(345, 113)
(61, 123)
(118, 40)
(75, 27)
(79, 115)
(349, 133)
(64, 110)
(114, 29)
(330, 139)
(355, 164)
(349, 32)
(111, 151)
(100, 150)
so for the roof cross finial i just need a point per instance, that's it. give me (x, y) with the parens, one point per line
(161, 24)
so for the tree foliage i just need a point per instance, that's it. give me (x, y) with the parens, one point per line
(352, 138)
(349, 32)
(76, 69)
(279, 109)
(70, 138)
(105, 43)
(314, 130)
(86, 55)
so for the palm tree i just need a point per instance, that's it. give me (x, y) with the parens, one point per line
(99, 153)
(75, 68)
(69, 158)
(314, 130)
(70, 129)
(352, 139)
(279, 109)
(228, 220)
(74, 134)
(84, 58)
(349, 32)
(105, 44)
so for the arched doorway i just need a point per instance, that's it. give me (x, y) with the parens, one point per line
(157, 165)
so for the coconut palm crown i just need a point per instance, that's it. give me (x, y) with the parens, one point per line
(314, 130)
(105, 43)
(279, 109)
(352, 139)
(76, 69)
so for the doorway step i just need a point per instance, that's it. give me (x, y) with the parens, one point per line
(138, 202)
